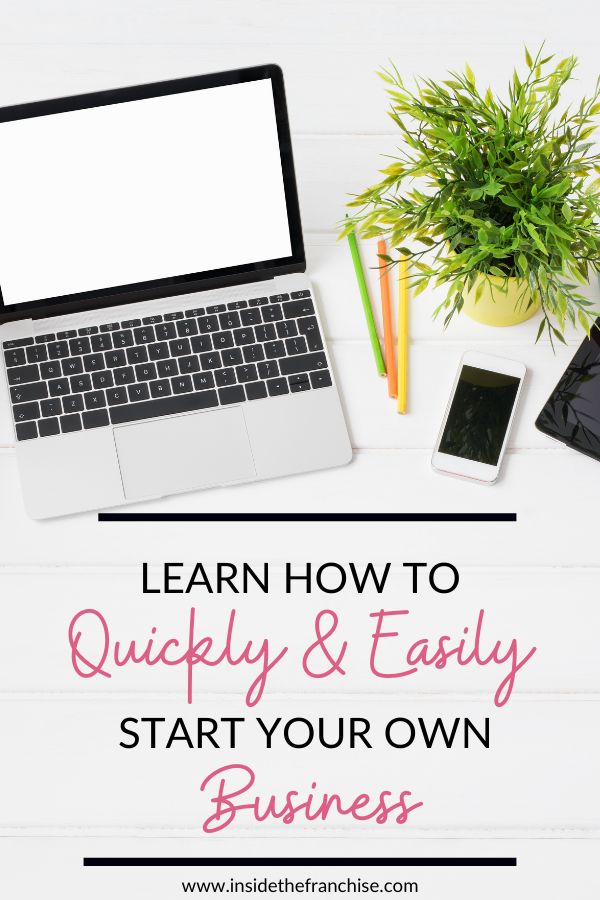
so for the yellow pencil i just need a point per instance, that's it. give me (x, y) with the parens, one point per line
(402, 335)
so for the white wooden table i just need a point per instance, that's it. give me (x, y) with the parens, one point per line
(66, 789)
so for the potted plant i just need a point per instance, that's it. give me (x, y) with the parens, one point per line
(494, 198)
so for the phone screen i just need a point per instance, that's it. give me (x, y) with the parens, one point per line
(479, 415)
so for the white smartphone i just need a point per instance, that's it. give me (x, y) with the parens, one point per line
(479, 416)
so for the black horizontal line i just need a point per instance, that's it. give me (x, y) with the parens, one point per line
(300, 861)
(308, 517)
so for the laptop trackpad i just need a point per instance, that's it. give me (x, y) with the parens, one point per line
(184, 453)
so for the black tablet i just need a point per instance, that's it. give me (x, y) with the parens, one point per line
(572, 413)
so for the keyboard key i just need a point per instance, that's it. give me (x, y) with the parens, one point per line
(295, 309)
(165, 332)
(202, 343)
(152, 320)
(18, 342)
(48, 427)
(208, 323)
(73, 404)
(234, 394)
(144, 335)
(232, 357)
(229, 320)
(277, 386)
(145, 373)
(300, 295)
(122, 339)
(251, 317)
(115, 358)
(38, 353)
(158, 351)
(95, 400)
(187, 328)
(166, 368)
(87, 331)
(256, 390)
(102, 380)
(246, 373)
(80, 384)
(265, 332)
(137, 392)
(298, 379)
(58, 350)
(300, 386)
(60, 387)
(204, 380)
(222, 340)
(309, 361)
(253, 353)
(309, 327)
(198, 311)
(219, 308)
(97, 418)
(72, 366)
(258, 301)
(296, 345)
(70, 423)
(51, 407)
(237, 304)
(210, 360)
(170, 317)
(15, 357)
(180, 347)
(80, 346)
(51, 370)
(45, 338)
(23, 374)
(188, 365)
(274, 349)
(37, 390)
(23, 412)
(244, 336)
(268, 369)
(66, 335)
(287, 329)
(116, 395)
(101, 342)
(110, 326)
(136, 355)
(278, 298)
(165, 406)
(225, 377)
(26, 431)
(182, 384)
(94, 362)
(124, 376)
(272, 313)
(131, 323)
(160, 388)
(320, 379)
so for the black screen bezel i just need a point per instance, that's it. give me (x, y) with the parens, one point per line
(179, 284)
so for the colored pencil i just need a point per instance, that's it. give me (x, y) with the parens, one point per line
(402, 335)
(366, 302)
(386, 311)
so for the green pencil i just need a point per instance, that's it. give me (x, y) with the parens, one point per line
(366, 302)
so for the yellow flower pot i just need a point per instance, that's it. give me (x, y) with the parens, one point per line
(502, 301)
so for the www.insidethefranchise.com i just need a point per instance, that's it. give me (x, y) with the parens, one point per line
(304, 886)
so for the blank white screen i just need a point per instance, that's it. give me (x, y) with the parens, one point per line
(156, 188)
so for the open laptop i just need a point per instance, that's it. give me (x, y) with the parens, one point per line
(159, 333)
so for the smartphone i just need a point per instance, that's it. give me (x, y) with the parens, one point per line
(478, 418)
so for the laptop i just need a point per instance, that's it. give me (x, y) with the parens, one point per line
(159, 331)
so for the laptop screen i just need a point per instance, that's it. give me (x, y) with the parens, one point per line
(128, 193)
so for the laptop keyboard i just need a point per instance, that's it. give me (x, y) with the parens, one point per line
(165, 364)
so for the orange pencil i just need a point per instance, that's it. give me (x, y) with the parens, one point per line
(386, 309)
